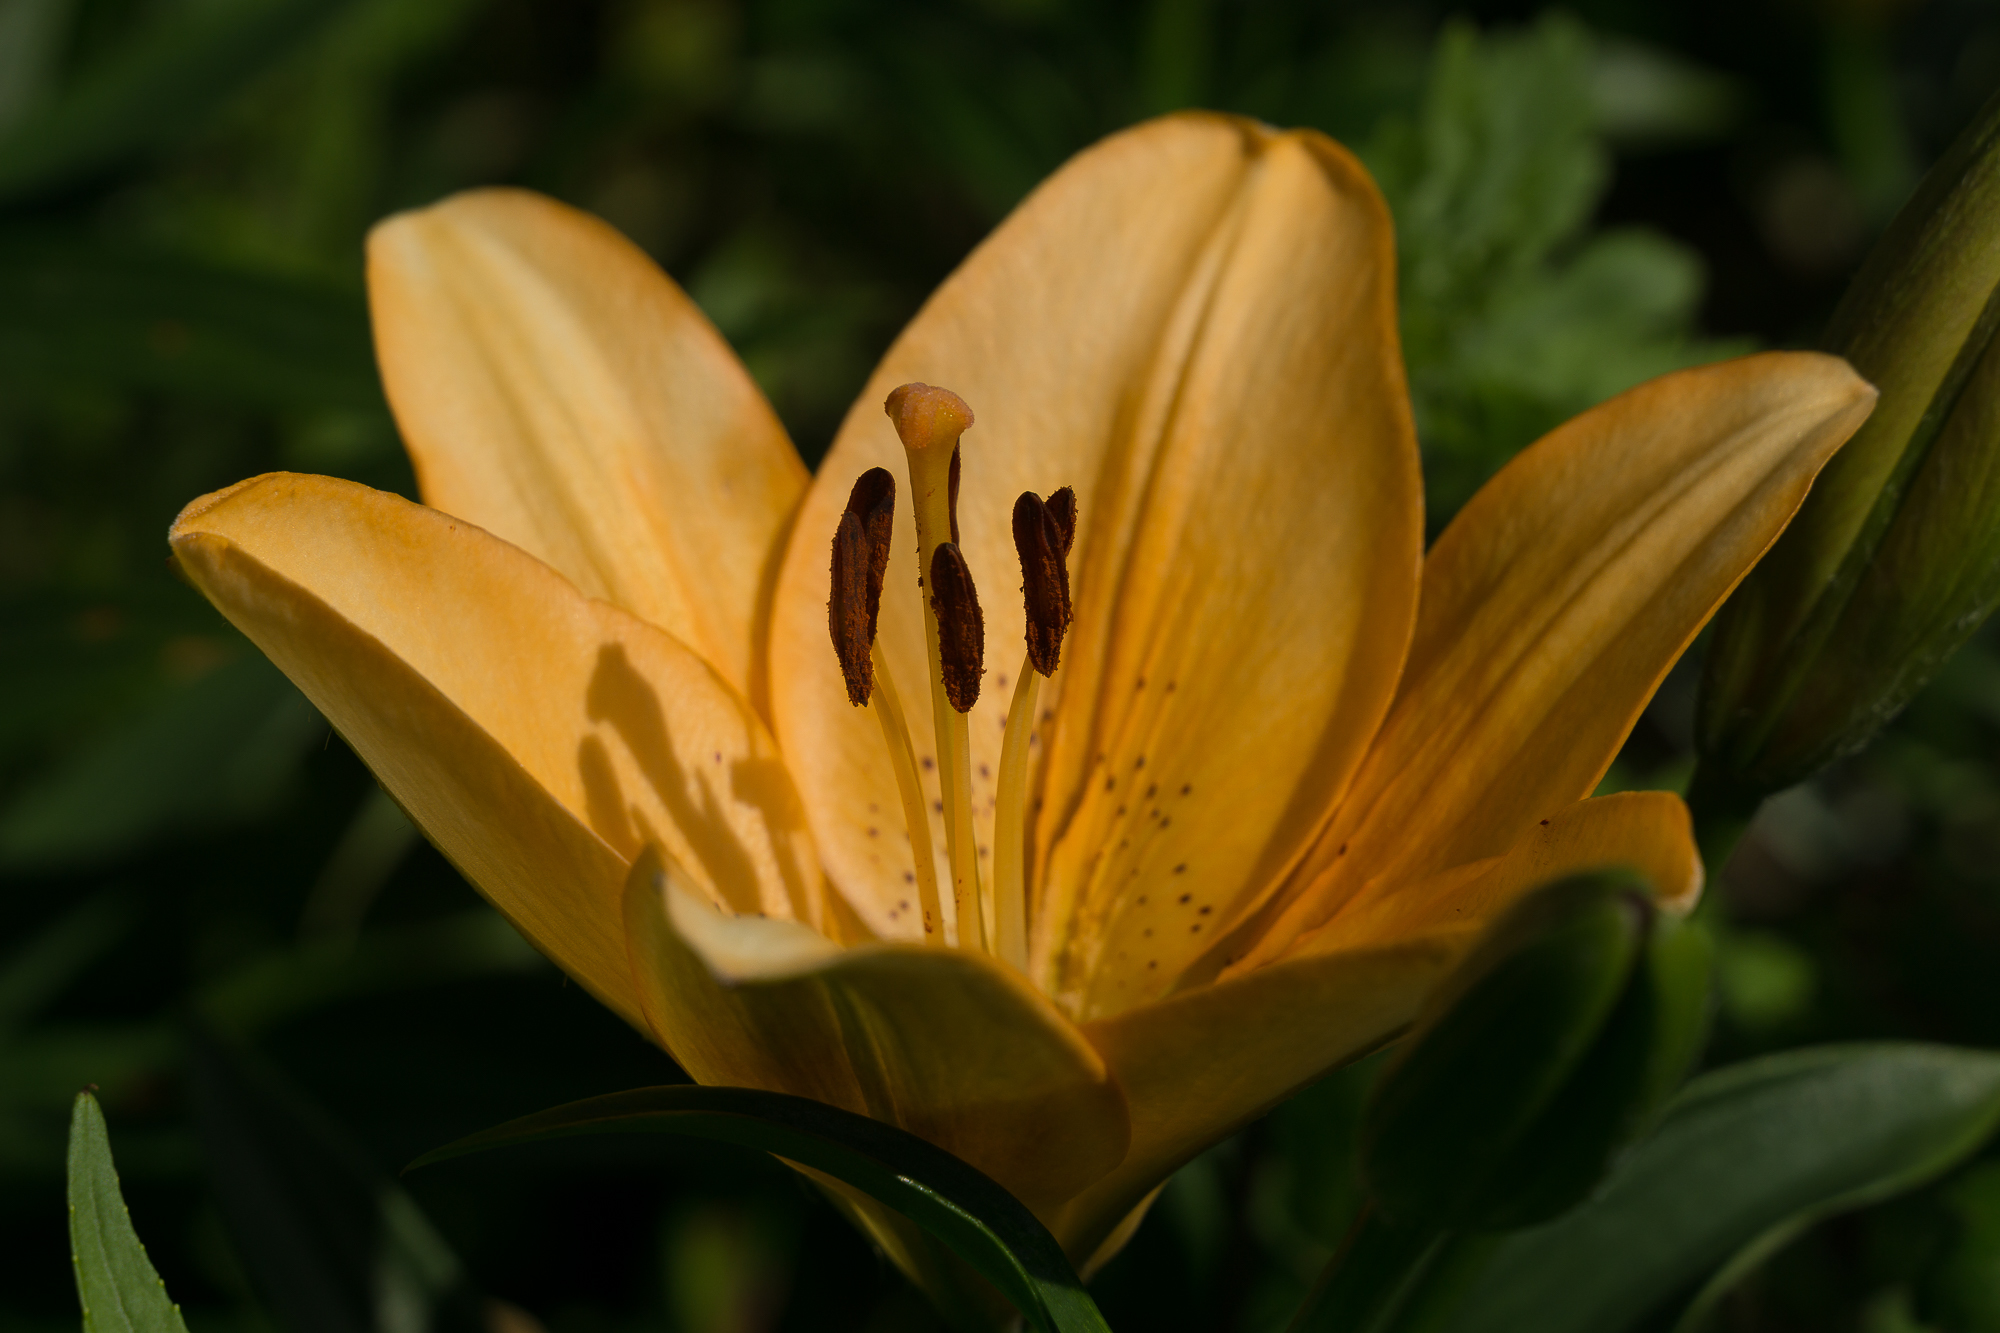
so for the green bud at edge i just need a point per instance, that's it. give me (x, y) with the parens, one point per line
(1894, 559)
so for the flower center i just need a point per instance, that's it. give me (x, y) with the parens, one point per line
(929, 421)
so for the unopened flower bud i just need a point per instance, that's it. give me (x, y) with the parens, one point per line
(1894, 559)
(1549, 1048)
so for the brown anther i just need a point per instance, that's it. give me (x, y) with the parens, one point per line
(1062, 508)
(951, 494)
(961, 627)
(860, 563)
(873, 501)
(1038, 537)
(926, 416)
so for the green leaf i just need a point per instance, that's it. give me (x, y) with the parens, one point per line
(1514, 318)
(332, 1244)
(151, 90)
(115, 1282)
(105, 315)
(987, 1227)
(1745, 1159)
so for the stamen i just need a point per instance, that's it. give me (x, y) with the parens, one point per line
(929, 421)
(961, 627)
(1039, 539)
(1043, 535)
(860, 564)
(1062, 508)
(951, 494)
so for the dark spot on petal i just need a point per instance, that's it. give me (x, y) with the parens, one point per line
(1152, 964)
(938, 806)
(1187, 788)
(1166, 821)
(1185, 899)
(909, 877)
(1181, 869)
(1206, 909)
(874, 833)
(928, 763)
(1109, 783)
(1195, 929)
(985, 772)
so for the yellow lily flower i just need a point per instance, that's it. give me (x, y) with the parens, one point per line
(1288, 764)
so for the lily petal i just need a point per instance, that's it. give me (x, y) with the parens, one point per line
(540, 738)
(1246, 562)
(556, 388)
(1200, 1063)
(944, 1043)
(1558, 599)
(1646, 831)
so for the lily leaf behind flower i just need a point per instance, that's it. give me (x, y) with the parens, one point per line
(1286, 768)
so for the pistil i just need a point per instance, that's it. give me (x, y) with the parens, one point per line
(929, 422)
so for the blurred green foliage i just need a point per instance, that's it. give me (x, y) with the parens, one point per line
(1583, 200)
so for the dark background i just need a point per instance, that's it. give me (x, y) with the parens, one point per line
(1584, 199)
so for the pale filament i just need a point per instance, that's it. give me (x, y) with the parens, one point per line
(888, 708)
(1010, 832)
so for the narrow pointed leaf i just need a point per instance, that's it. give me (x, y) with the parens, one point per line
(115, 1282)
(1744, 1159)
(967, 1211)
